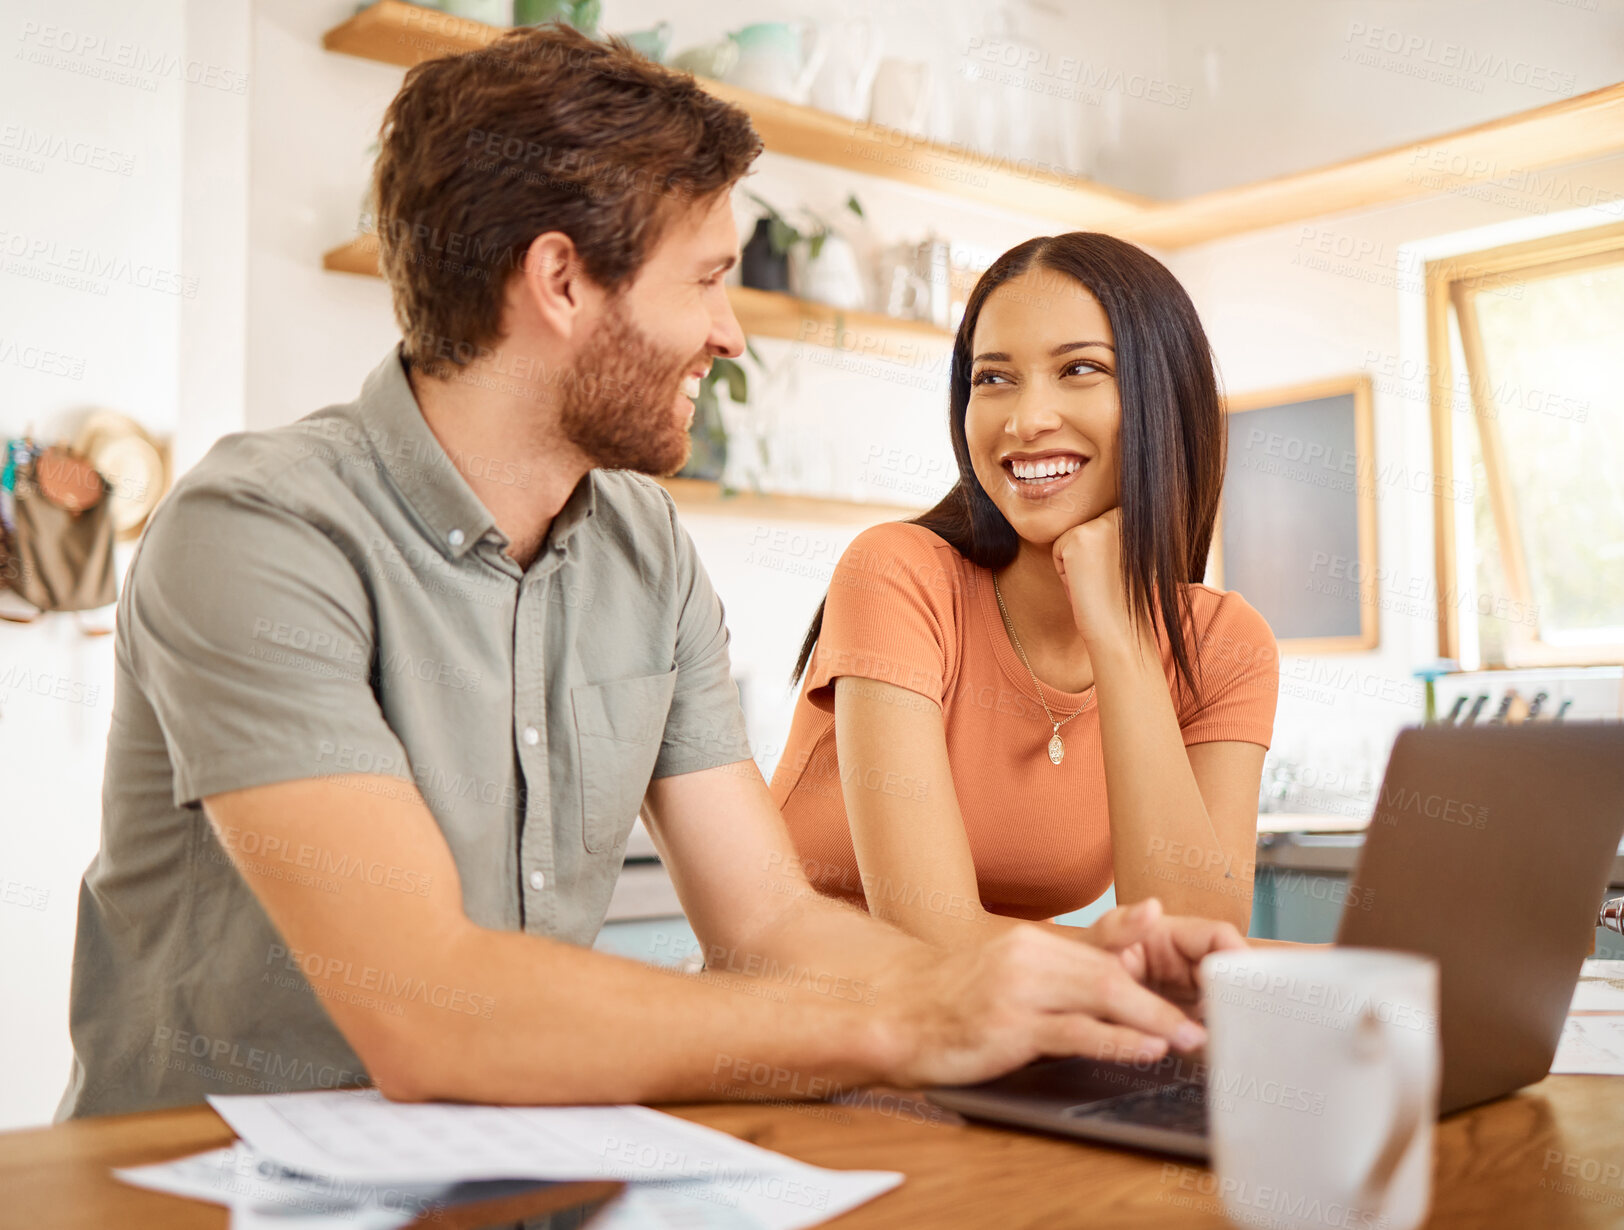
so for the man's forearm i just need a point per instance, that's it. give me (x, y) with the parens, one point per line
(554, 1023)
(822, 946)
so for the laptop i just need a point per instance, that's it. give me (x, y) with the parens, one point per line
(1489, 850)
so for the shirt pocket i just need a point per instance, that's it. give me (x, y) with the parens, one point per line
(619, 727)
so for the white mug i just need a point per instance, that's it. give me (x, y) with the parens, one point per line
(901, 97)
(1322, 1085)
(844, 83)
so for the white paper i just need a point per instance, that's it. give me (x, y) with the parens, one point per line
(359, 1134)
(275, 1217)
(263, 1195)
(1600, 988)
(684, 1175)
(251, 1184)
(789, 1199)
(1592, 1045)
(742, 1188)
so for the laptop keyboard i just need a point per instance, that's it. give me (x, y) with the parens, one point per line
(1179, 1107)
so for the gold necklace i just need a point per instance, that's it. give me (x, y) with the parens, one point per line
(1057, 748)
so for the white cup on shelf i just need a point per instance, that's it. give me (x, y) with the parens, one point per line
(901, 98)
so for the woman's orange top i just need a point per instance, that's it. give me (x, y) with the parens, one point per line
(906, 608)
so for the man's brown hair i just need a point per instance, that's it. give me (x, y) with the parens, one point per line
(544, 130)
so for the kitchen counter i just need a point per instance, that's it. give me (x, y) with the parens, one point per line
(1329, 852)
(1303, 870)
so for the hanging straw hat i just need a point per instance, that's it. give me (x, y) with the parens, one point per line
(134, 464)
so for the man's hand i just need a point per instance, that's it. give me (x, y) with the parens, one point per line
(982, 1010)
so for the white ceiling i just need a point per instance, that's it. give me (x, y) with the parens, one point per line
(1284, 85)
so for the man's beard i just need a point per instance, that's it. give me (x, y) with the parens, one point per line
(617, 405)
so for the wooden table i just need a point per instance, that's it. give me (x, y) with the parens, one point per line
(1551, 1156)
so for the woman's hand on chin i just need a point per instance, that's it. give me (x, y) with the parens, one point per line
(1088, 558)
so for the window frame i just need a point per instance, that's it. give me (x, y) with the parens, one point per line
(1449, 283)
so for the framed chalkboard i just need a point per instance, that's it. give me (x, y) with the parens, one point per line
(1296, 532)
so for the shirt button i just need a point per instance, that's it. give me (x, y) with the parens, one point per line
(532, 736)
(455, 538)
(559, 547)
(538, 881)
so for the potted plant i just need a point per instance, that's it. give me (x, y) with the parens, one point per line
(766, 254)
(815, 262)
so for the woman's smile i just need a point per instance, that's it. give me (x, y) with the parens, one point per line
(1037, 476)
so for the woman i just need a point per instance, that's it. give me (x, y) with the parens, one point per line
(1026, 693)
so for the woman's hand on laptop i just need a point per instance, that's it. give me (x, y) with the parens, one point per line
(1162, 950)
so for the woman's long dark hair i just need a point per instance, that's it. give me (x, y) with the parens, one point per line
(1172, 436)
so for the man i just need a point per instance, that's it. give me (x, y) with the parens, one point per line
(393, 682)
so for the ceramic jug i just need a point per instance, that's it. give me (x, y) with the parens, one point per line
(775, 58)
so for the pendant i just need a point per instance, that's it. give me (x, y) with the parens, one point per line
(1057, 749)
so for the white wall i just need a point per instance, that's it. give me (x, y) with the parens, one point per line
(313, 336)
(212, 393)
(93, 285)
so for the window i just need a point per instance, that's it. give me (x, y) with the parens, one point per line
(1527, 346)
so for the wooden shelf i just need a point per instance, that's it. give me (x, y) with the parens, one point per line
(987, 179)
(360, 255)
(694, 495)
(394, 32)
(766, 313)
(1570, 131)
(761, 313)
